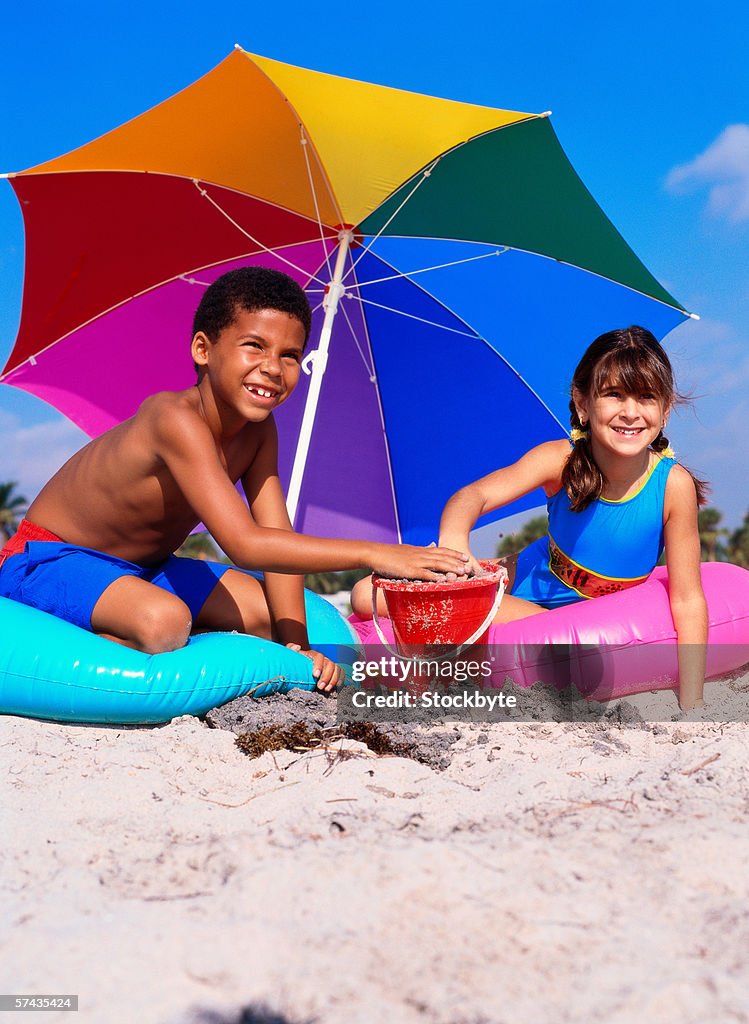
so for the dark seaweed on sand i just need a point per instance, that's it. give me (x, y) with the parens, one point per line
(300, 720)
(299, 736)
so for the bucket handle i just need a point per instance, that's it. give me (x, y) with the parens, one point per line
(460, 647)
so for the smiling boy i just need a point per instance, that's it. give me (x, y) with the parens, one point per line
(97, 546)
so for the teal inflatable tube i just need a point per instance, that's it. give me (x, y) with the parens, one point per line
(53, 670)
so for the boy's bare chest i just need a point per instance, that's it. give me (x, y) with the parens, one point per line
(237, 457)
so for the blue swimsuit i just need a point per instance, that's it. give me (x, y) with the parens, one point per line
(610, 546)
(67, 581)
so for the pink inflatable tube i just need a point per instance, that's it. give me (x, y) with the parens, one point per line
(617, 645)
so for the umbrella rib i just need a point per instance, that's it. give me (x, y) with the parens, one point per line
(421, 319)
(545, 256)
(475, 337)
(439, 266)
(369, 368)
(323, 173)
(472, 334)
(424, 175)
(378, 397)
(295, 113)
(255, 241)
(305, 148)
(372, 373)
(186, 277)
(428, 171)
(163, 174)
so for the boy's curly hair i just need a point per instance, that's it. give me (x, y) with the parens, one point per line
(250, 289)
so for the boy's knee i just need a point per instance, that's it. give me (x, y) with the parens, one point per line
(163, 626)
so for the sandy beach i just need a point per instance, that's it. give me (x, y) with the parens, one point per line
(552, 872)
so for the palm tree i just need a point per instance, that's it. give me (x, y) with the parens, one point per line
(738, 550)
(711, 550)
(333, 582)
(12, 507)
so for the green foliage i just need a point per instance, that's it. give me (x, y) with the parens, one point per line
(738, 544)
(719, 544)
(12, 508)
(711, 532)
(202, 546)
(333, 582)
(533, 530)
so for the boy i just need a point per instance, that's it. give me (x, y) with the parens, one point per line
(111, 518)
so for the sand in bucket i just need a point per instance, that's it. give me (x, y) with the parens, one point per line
(446, 614)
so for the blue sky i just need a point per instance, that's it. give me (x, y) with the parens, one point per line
(651, 103)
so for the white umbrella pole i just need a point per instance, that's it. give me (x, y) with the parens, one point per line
(319, 360)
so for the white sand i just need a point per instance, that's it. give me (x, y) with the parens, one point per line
(553, 873)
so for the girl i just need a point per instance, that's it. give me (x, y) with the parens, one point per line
(615, 500)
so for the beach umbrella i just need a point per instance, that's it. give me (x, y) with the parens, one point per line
(456, 264)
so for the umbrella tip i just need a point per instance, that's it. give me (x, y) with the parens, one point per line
(238, 46)
(694, 316)
(546, 113)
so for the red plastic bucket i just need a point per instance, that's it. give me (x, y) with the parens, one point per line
(446, 613)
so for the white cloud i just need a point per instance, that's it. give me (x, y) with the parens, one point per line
(31, 455)
(724, 169)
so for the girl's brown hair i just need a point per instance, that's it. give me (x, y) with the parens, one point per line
(633, 360)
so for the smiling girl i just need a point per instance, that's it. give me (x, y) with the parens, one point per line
(615, 496)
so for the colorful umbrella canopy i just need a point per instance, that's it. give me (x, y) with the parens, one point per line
(456, 264)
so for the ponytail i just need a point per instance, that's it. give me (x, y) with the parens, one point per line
(662, 446)
(581, 478)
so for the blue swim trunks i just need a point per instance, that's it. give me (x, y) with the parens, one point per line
(67, 581)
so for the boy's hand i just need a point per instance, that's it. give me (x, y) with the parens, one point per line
(404, 561)
(328, 675)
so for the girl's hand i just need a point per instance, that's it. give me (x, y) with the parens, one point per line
(474, 565)
(329, 676)
(461, 544)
